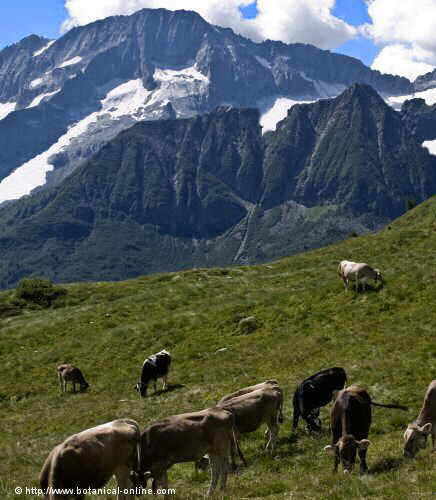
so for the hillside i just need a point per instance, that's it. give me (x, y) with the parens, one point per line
(306, 322)
(213, 191)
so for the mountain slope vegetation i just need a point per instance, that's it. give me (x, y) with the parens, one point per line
(305, 322)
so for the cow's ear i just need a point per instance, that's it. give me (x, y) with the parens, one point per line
(426, 429)
(363, 444)
(330, 449)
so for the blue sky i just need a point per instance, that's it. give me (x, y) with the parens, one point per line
(19, 18)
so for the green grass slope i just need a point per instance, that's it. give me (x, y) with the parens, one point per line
(306, 322)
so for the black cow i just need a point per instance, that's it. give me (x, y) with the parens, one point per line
(350, 423)
(315, 392)
(154, 367)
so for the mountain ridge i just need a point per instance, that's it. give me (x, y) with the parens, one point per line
(212, 190)
(152, 58)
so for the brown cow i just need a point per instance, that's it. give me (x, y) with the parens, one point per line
(416, 433)
(254, 406)
(251, 388)
(186, 438)
(350, 423)
(89, 459)
(70, 373)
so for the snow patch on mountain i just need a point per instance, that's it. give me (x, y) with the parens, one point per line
(125, 99)
(263, 62)
(36, 83)
(431, 146)
(277, 112)
(70, 62)
(40, 97)
(6, 108)
(325, 89)
(41, 51)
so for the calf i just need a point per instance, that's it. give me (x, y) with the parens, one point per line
(359, 272)
(252, 408)
(154, 367)
(89, 459)
(186, 438)
(315, 392)
(70, 373)
(350, 423)
(416, 433)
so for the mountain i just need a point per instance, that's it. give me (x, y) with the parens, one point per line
(420, 119)
(425, 82)
(212, 190)
(304, 322)
(61, 100)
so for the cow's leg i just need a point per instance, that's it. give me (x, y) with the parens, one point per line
(433, 439)
(273, 429)
(123, 481)
(215, 473)
(336, 464)
(164, 383)
(296, 417)
(362, 457)
(155, 384)
(224, 470)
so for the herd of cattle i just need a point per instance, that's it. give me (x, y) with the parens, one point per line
(211, 437)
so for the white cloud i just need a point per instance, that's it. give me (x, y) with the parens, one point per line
(305, 21)
(406, 30)
(401, 60)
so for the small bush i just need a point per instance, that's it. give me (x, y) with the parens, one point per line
(39, 291)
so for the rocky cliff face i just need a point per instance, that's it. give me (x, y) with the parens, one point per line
(420, 119)
(211, 190)
(72, 95)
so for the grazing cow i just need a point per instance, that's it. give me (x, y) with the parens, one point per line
(350, 423)
(187, 438)
(358, 272)
(70, 373)
(252, 408)
(416, 433)
(89, 459)
(315, 392)
(154, 367)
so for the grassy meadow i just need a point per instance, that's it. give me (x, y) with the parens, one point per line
(305, 322)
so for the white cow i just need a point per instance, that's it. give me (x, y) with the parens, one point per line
(89, 459)
(358, 272)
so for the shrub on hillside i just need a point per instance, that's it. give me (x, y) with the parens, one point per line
(38, 291)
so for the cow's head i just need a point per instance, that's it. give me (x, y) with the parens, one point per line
(142, 389)
(84, 386)
(139, 479)
(346, 449)
(415, 439)
(378, 276)
(313, 421)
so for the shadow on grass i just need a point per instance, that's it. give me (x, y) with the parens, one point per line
(170, 388)
(386, 465)
(368, 288)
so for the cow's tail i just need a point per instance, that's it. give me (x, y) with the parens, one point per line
(296, 416)
(393, 406)
(44, 477)
(138, 447)
(236, 440)
(280, 418)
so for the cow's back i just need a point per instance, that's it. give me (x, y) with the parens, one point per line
(428, 411)
(246, 390)
(254, 408)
